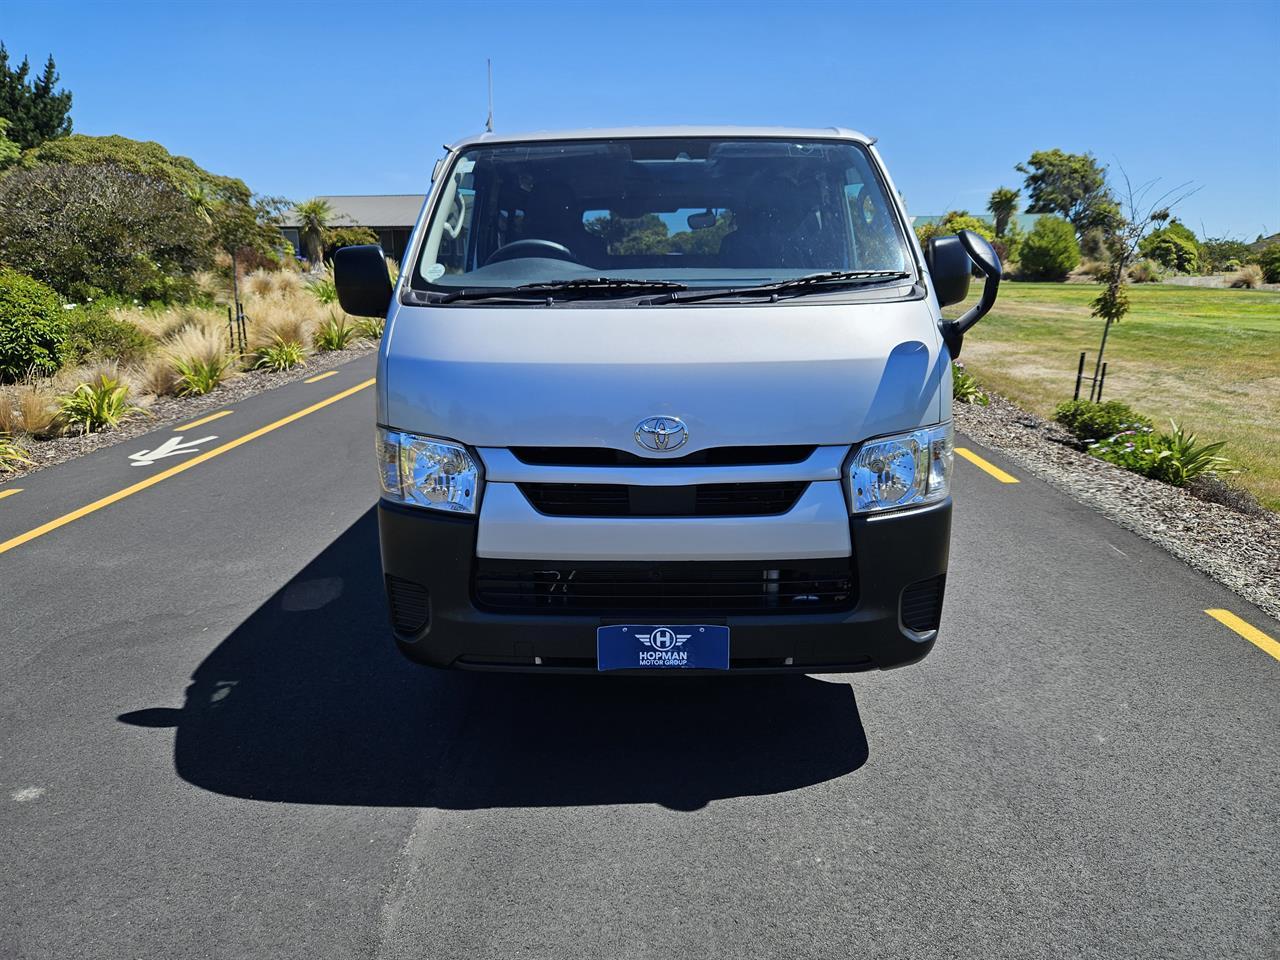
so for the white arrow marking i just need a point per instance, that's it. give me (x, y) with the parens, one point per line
(170, 448)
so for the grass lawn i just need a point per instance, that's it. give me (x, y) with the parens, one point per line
(1208, 358)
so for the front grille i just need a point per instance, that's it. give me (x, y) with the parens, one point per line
(694, 500)
(922, 604)
(712, 457)
(410, 608)
(653, 589)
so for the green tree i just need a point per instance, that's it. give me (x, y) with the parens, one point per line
(1072, 185)
(953, 221)
(1050, 251)
(1174, 246)
(313, 218)
(241, 221)
(1003, 204)
(35, 110)
(1269, 260)
(9, 151)
(89, 231)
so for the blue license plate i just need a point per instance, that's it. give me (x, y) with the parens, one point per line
(677, 646)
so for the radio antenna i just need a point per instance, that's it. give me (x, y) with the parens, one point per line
(488, 124)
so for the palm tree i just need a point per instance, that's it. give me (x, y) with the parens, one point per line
(313, 218)
(1003, 205)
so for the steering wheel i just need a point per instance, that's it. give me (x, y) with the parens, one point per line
(531, 248)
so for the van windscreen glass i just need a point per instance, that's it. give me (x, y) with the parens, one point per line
(699, 211)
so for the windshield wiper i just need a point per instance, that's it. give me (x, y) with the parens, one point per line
(813, 283)
(564, 289)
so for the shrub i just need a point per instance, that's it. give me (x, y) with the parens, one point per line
(1172, 248)
(1050, 251)
(96, 333)
(32, 327)
(335, 237)
(371, 328)
(953, 222)
(964, 388)
(199, 360)
(1183, 457)
(1174, 458)
(198, 376)
(281, 355)
(36, 408)
(334, 334)
(1250, 277)
(1145, 271)
(1269, 260)
(87, 231)
(278, 319)
(12, 456)
(323, 288)
(1094, 269)
(1086, 420)
(102, 402)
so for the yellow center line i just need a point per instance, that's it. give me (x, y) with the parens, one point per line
(321, 376)
(986, 466)
(1246, 630)
(173, 471)
(10, 492)
(203, 420)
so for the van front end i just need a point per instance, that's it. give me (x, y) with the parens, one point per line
(664, 401)
(875, 607)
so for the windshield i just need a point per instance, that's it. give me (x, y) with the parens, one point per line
(702, 212)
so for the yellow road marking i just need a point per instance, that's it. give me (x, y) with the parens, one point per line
(176, 469)
(1246, 630)
(321, 376)
(990, 468)
(203, 420)
(10, 492)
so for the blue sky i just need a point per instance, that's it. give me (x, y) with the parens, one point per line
(307, 98)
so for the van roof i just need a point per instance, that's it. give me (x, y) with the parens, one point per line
(692, 130)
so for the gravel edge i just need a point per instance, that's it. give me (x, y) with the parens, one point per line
(1239, 551)
(167, 410)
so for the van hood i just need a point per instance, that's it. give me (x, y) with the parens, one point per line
(800, 373)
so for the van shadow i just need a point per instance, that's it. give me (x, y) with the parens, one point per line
(308, 701)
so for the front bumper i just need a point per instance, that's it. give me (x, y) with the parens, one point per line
(429, 559)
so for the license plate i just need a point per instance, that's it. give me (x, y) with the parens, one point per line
(663, 647)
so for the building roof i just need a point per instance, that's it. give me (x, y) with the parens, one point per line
(370, 210)
(622, 133)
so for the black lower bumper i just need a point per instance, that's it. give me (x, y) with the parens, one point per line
(899, 564)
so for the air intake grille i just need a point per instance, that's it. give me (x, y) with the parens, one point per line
(696, 500)
(922, 604)
(712, 457)
(409, 605)
(652, 589)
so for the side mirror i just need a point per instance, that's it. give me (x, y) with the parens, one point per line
(949, 269)
(977, 252)
(364, 286)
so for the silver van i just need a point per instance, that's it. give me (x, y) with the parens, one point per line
(666, 399)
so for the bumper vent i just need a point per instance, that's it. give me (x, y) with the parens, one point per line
(654, 589)
(410, 609)
(696, 500)
(922, 604)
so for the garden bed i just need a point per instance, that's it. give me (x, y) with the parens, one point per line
(1236, 548)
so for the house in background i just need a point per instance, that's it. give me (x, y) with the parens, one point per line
(391, 216)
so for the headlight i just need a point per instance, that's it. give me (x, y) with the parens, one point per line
(903, 471)
(427, 472)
